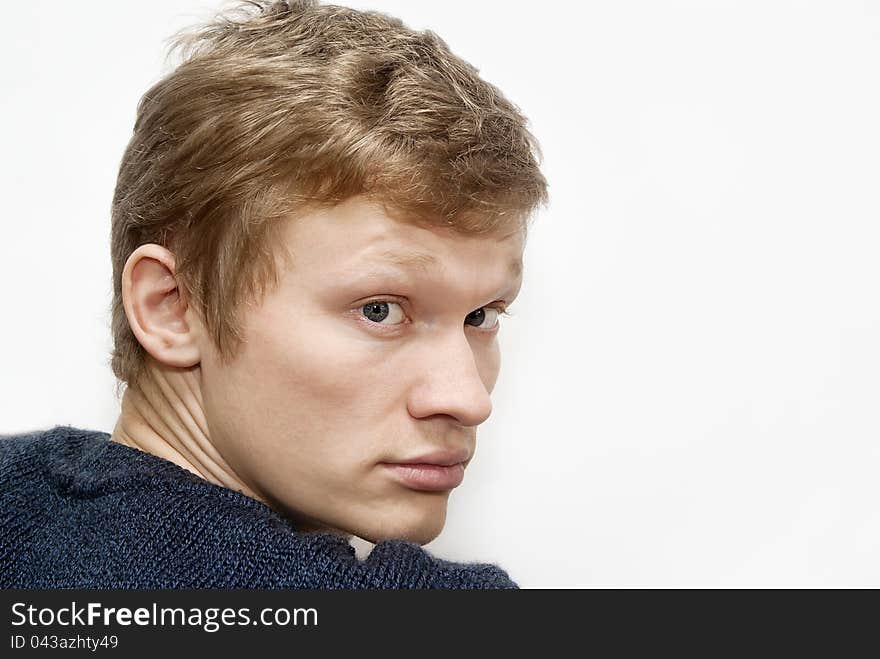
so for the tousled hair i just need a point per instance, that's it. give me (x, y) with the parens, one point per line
(278, 107)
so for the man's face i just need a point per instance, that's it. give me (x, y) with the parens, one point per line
(355, 361)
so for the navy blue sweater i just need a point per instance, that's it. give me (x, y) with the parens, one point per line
(80, 511)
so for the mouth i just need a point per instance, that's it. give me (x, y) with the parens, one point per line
(427, 477)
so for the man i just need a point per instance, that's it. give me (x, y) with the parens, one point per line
(317, 223)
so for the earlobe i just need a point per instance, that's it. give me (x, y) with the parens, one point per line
(155, 308)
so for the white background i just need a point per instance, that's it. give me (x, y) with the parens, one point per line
(690, 382)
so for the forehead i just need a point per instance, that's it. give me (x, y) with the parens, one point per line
(410, 258)
(358, 233)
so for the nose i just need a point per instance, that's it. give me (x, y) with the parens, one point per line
(450, 383)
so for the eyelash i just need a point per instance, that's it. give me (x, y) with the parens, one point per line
(501, 308)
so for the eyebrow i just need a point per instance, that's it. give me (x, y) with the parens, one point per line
(423, 260)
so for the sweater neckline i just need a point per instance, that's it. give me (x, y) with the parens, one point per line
(127, 465)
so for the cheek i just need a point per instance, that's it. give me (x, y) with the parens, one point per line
(306, 398)
(313, 370)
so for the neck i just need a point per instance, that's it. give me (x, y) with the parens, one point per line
(163, 414)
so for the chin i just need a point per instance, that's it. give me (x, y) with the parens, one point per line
(420, 527)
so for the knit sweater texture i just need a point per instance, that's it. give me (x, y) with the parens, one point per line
(80, 511)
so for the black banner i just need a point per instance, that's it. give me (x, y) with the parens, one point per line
(416, 622)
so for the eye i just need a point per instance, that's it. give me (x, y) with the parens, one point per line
(379, 310)
(485, 318)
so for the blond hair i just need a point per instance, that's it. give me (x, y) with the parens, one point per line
(281, 106)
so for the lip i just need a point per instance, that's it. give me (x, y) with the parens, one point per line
(444, 458)
(435, 471)
(427, 477)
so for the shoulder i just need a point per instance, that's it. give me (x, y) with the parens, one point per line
(77, 463)
(78, 510)
(420, 569)
(19, 448)
(28, 461)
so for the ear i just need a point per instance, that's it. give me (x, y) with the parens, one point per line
(156, 311)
